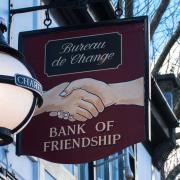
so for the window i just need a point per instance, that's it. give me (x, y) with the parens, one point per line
(83, 171)
(108, 168)
(70, 168)
(118, 166)
(48, 176)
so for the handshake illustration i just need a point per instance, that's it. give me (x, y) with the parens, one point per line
(84, 99)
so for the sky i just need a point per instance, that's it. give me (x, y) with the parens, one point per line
(163, 33)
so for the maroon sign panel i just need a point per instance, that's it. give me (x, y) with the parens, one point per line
(95, 82)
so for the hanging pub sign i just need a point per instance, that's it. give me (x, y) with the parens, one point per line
(95, 90)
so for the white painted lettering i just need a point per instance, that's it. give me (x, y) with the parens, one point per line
(53, 132)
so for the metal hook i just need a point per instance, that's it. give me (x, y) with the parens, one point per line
(48, 20)
(118, 11)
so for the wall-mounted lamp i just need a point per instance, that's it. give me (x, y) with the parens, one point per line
(19, 90)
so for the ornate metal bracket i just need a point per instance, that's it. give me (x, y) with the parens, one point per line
(54, 4)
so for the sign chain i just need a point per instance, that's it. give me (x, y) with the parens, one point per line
(48, 20)
(119, 10)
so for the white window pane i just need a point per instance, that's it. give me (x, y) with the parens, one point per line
(48, 176)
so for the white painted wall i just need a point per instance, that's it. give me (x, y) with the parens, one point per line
(23, 167)
(155, 174)
(144, 168)
(23, 22)
(144, 164)
(4, 9)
